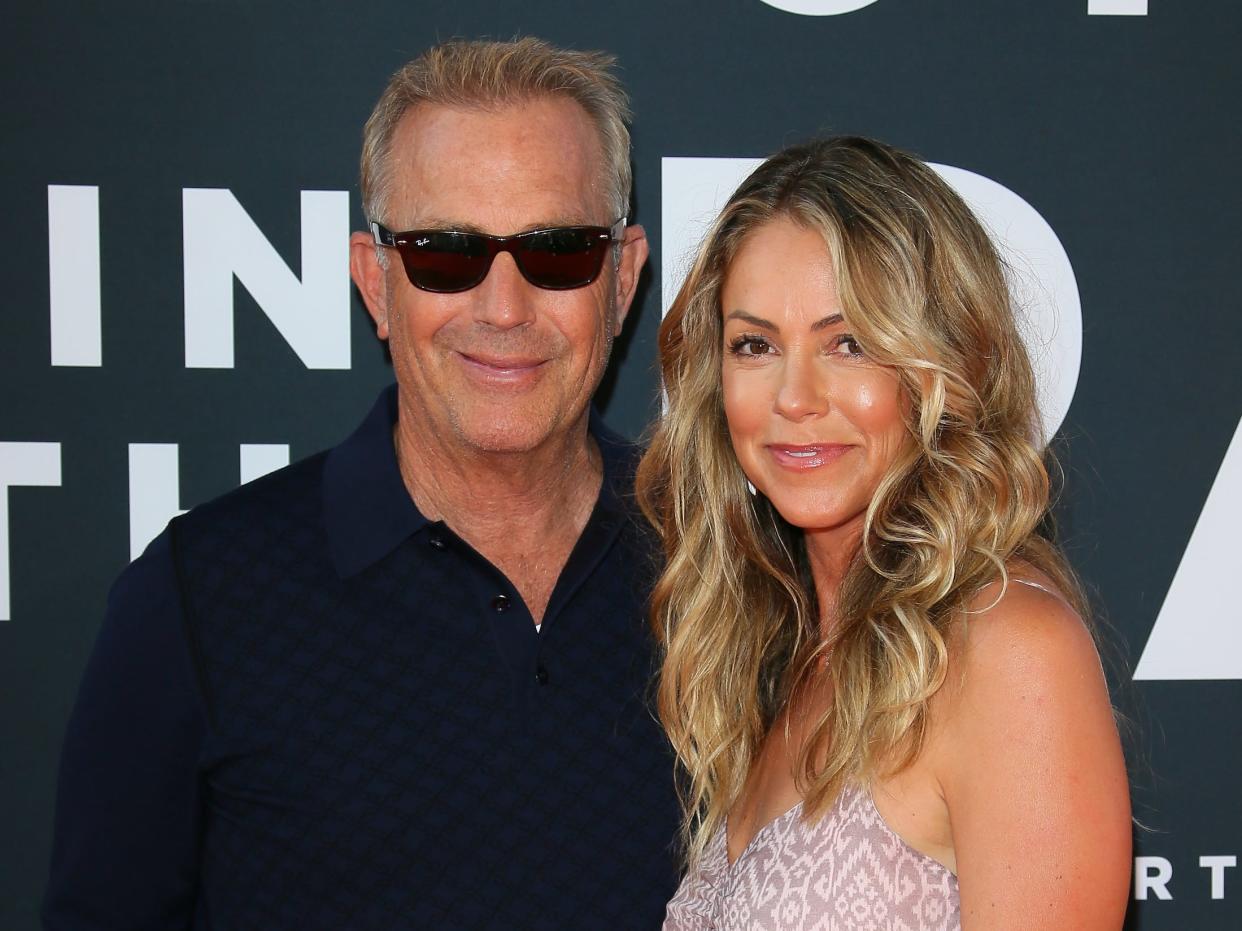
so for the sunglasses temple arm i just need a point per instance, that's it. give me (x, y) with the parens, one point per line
(383, 237)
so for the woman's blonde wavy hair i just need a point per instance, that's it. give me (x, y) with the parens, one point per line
(735, 610)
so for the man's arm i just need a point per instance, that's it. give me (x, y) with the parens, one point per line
(126, 845)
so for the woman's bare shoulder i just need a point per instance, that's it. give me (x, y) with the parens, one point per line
(1029, 748)
(1018, 645)
(1025, 621)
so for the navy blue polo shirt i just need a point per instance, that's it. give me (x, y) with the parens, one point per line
(310, 707)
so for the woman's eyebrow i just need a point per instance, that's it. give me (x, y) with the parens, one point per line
(830, 320)
(752, 320)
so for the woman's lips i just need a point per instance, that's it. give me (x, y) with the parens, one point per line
(802, 457)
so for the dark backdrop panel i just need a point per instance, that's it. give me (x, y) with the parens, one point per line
(1121, 130)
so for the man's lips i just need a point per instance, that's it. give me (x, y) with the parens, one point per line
(799, 457)
(501, 365)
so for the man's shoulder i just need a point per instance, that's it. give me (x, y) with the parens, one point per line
(290, 495)
(621, 454)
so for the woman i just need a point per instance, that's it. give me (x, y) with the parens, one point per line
(877, 677)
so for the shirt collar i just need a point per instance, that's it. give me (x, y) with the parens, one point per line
(369, 512)
(366, 506)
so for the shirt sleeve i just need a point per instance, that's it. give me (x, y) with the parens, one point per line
(126, 842)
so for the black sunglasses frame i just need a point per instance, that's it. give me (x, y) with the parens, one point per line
(516, 245)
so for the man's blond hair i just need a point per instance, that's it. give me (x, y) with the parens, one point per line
(463, 73)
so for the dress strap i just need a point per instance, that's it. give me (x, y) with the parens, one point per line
(1042, 588)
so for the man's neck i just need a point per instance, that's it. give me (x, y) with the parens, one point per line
(522, 511)
(471, 487)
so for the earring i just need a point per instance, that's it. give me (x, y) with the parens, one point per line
(750, 486)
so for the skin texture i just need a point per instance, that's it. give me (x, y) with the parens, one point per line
(1020, 788)
(495, 382)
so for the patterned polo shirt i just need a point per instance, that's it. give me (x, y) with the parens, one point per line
(309, 707)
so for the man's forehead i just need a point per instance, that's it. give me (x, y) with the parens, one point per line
(498, 169)
(464, 224)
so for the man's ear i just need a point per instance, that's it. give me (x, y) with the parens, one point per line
(371, 278)
(634, 250)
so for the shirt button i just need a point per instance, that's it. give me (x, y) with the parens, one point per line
(437, 542)
(501, 604)
(541, 675)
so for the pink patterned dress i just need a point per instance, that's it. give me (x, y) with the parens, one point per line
(846, 872)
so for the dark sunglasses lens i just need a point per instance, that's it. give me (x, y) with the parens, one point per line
(445, 262)
(561, 259)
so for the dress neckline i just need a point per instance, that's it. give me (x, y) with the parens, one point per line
(833, 812)
(758, 834)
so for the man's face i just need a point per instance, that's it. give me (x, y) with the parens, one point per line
(505, 366)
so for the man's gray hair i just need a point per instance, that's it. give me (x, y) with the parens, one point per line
(488, 74)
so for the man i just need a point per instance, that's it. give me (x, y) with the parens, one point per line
(402, 684)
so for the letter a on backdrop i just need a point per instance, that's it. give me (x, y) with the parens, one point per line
(1198, 633)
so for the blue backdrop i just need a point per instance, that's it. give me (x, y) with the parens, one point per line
(181, 178)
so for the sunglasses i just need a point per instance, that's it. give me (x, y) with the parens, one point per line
(445, 261)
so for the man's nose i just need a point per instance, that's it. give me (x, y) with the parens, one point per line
(504, 299)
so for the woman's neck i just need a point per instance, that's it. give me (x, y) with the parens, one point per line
(830, 552)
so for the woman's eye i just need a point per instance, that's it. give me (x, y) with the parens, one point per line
(750, 346)
(846, 345)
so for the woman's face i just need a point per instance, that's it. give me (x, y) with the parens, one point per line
(814, 423)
